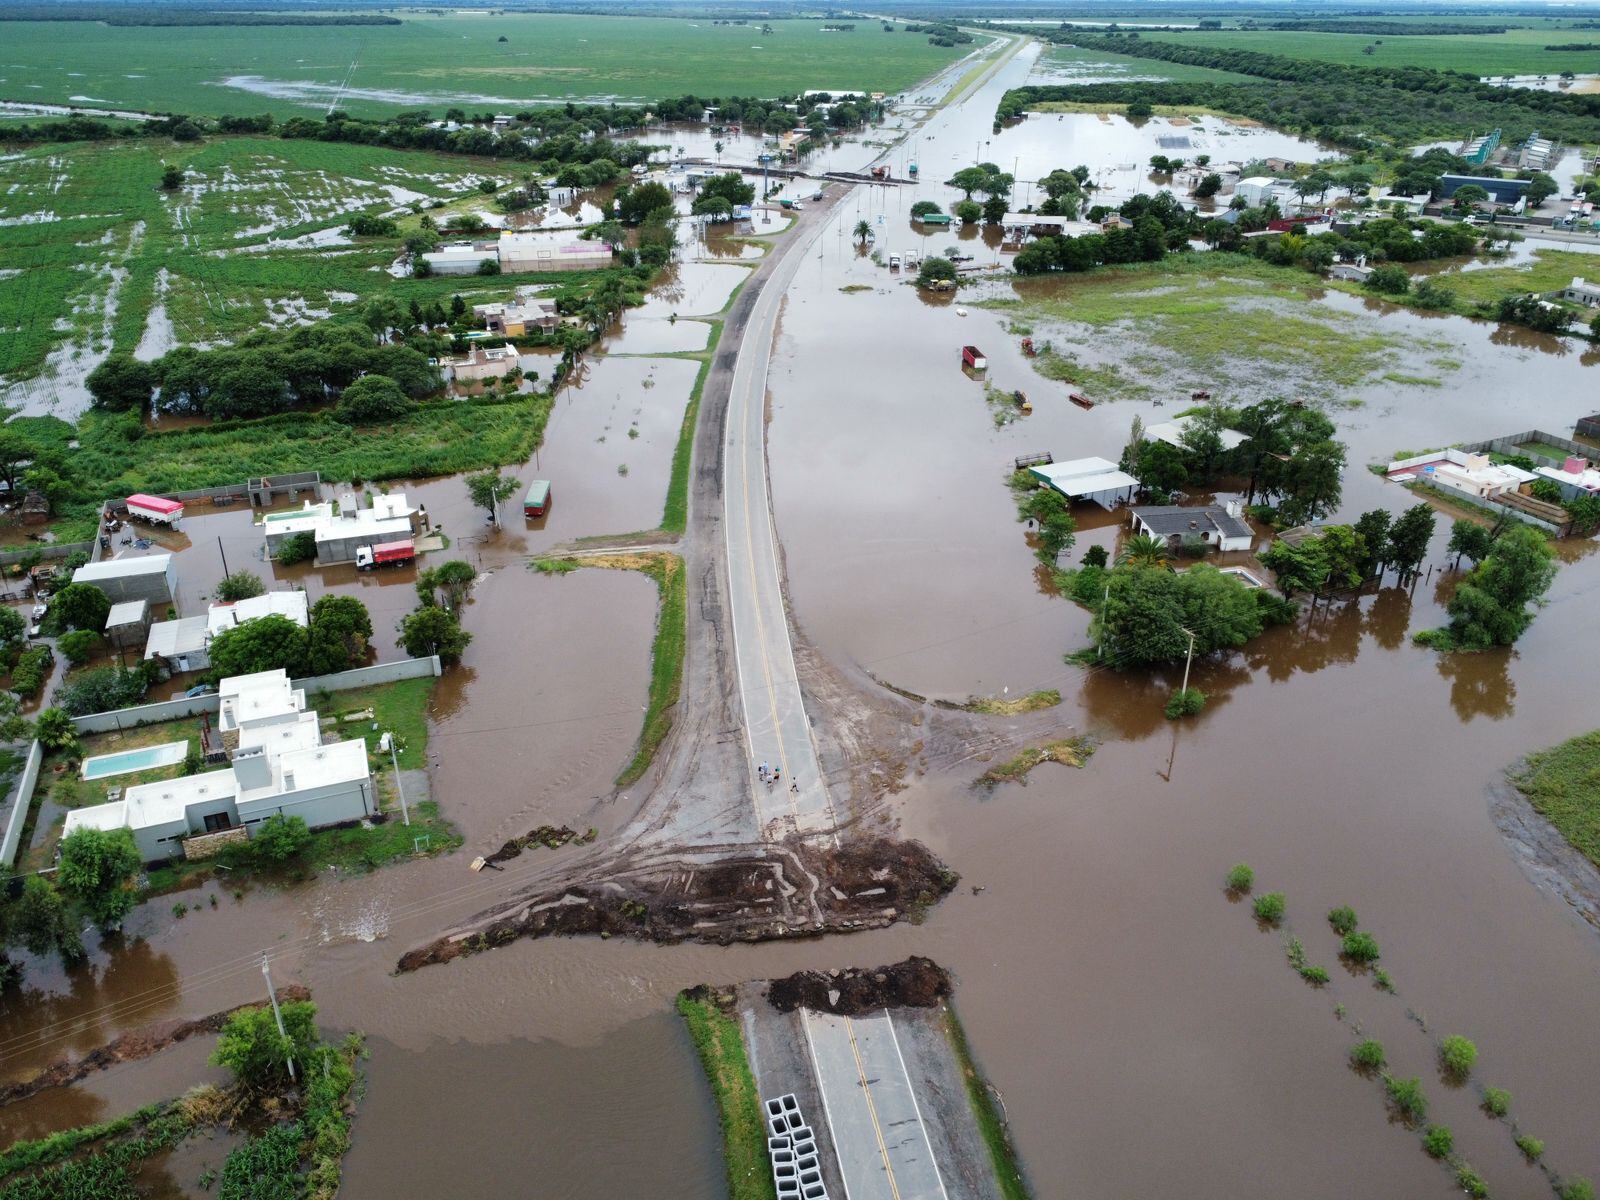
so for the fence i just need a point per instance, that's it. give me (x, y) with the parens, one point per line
(48, 550)
(1512, 444)
(22, 800)
(193, 706)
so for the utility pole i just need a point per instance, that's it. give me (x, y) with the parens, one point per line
(277, 1013)
(1189, 662)
(224, 557)
(394, 757)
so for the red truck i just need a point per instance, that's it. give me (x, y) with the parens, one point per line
(385, 554)
(880, 172)
(972, 357)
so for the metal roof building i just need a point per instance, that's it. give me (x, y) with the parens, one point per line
(1088, 479)
(1210, 524)
(152, 577)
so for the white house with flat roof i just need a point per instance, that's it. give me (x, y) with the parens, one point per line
(1088, 479)
(289, 603)
(281, 765)
(184, 644)
(339, 530)
(1472, 475)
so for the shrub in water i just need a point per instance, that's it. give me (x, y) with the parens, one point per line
(1531, 1146)
(1269, 908)
(1343, 920)
(1359, 947)
(1368, 1054)
(1471, 1182)
(1314, 974)
(1457, 1055)
(1241, 878)
(1438, 1141)
(1186, 703)
(1381, 981)
(1496, 1101)
(1577, 1189)
(1407, 1097)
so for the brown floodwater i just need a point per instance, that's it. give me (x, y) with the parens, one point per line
(1144, 1033)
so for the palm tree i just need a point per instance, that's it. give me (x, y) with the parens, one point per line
(863, 231)
(717, 146)
(1143, 550)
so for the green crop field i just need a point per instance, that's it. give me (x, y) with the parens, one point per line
(475, 61)
(89, 243)
(1068, 64)
(1517, 52)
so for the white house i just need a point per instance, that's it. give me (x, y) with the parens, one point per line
(1580, 291)
(185, 643)
(1171, 432)
(340, 530)
(1088, 479)
(1575, 477)
(1259, 189)
(1218, 525)
(290, 603)
(280, 765)
(1472, 475)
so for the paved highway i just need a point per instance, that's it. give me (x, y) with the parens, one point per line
(777, 730)
(878, 1132)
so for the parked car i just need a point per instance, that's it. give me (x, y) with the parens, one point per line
(199, 689)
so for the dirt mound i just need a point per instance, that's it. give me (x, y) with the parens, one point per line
(914, 983)
(552, 837)
(131, 1046)
(751, 894)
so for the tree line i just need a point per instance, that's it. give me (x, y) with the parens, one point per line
(138, 14)
(1346, 105)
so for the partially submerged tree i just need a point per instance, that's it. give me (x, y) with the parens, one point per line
(268, 643)
(431, 630)
(241, 585)
(97, 866)
(340, 635)
(489, 489)
(258, 1055)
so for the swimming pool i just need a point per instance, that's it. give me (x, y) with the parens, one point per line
(142, 759)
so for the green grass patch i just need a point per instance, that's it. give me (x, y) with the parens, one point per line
(1563, 785)
(521, 58)
(1069, 64)
(998, 707)
(985, 1109)
(1200, 317)
(1515, 52)
(1069, 752)
(1546, 271)
(675, 514)
(720, 1044)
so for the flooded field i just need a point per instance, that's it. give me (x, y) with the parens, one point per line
(1140, 1027)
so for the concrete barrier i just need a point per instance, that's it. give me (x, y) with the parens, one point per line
(21, 801)
(194, 706)
(48, 550)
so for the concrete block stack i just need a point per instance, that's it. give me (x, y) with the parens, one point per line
(792, 1147)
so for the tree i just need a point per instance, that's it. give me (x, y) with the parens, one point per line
(297, 547)
(966, 211)
(1208, 186)
(923, 208)
(1310, 481)
(55, 730)
(1408, 540)
(714, 207)
(934, 269)
(1469, 539)
(1054, 514)
(447, 585)
(641, 201)
(280, 838)
(41, 921)
(258, 1055)
(969, 180)
(1147, 616)
(339, 636)
(1300, 567)
(431, 630)
(863, 231)
(1158, 466)
(371, 399)
(79, 606)
(96, 867)
(79, 646)
(1469, 195)
(241, 585)
(1373, 530)
(101, 689)
(1202, 445)
(122, 384)
(15, 452)
(13, 625)
(1490, 605)
(268, 643)
(1144, 550)
(171, 178)
(995, 209)
(489, 488)
(1430, 293)
(1390, 280)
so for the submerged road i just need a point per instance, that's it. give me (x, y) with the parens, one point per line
(872, 1112)
(777, 729)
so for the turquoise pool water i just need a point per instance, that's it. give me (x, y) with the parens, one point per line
(142, 759)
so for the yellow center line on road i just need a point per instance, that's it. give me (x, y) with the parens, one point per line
(872, 1109)
(750, 563)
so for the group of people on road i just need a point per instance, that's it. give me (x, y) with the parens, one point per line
(771, 776)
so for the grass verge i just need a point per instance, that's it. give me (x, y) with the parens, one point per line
(720, 1044)
(1563, 785)
(666, 652)
(986, 1110)
(996, 707)
(675, 515)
